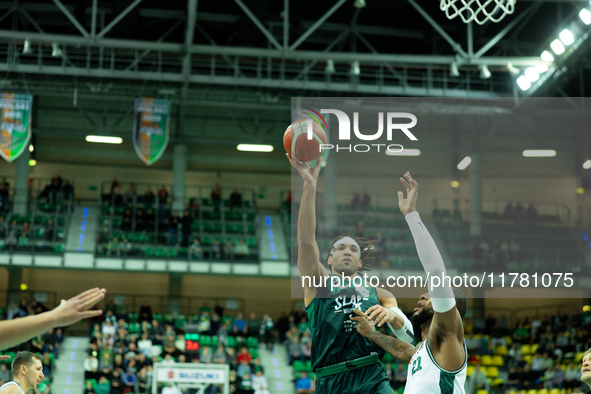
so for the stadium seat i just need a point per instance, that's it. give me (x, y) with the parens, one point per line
(497, 360)
(486, 360)
(501, 350)
(299, 366)
(469, 370)
(543, 391)
(491, 372)
(579, 357)
(525, 349)
(482, 392)
(555, 391)
(532, 391)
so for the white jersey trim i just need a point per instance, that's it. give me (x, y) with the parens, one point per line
(439, 366)
(12, 383)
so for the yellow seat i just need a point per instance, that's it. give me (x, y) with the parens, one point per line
(534, 348)
(579, 357)
(502, 350)
(532, 391)
(497, 360)
(543, 391)
(469, 370)
(525, 349)
(486, 360)
(497, 382)
(492, 372)
(528, 358)
(482, 392)
(508, 339)
(554, 391)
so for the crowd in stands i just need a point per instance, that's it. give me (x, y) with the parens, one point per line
(46, 345)
(124, 347)
(145, 225)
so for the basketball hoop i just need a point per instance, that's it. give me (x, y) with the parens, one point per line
(479, 11)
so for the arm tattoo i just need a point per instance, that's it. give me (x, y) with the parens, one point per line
(400, 350)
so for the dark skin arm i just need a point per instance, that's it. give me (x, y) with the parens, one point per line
(400, 350)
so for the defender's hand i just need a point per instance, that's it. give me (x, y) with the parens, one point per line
(364, 326)
(380, 315)
(408, 204)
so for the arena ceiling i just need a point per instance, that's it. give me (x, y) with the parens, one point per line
(232, 67)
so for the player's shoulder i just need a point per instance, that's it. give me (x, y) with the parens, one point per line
(11, 389)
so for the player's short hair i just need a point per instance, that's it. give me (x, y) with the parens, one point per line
(366, 251)
(587, 352)
(23, 358)
(461, 302)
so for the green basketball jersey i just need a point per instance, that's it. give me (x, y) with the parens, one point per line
(334, 337)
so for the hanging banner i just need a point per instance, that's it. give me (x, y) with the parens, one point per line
(151, 128)
(15, 131)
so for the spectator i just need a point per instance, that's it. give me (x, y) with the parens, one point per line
(113, 247)
(571, 377)
(241, 250)
(173, 228)
(195, 250)
(514, 248)
(476, 381)
(140, 221)
(186, 223)
(244, 355)
(252, 325)
(509, 212)
(116, 383)
(126, 247)
(90, 367)
(548, 378)
(216, 250)
(519, 213)
(162, 200)
(216, 196)
(48, 230)
(149, 220)
(106, 365)
(4, 194)
(3, 227)
(129, 380)
(266, 331)
(149, 197)
(170, 389)
(127, 220)
(228, 251)
(220, 356)
(103, 386)
(145, 312)
(303, 384)
(168, 360)
(206, 357)
(239, 325)
(145, 344)
(288, 198)
(131, 196)
(259, 383)
(559, 376)
(355, 201)
(235, 199)
(4, 373)
(243, 369)
(536, 362)
(365, 200)
(88, 389)
(294, 350)
(382, 247)
(389, 374)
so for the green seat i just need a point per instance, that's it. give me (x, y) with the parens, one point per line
(149, 252)
(172, 252)
(139, 237)
(117, 222)
(254, 352)
(205, 340)
(160, 252)
(251, 242)
(157, 317)
(59, 248)
(40, 219)
(39, 233)
(250, 229)
(133, 316)
(252, 342)
(299, 366)
(308, 366)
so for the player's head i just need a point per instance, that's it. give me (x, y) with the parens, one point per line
(424, 311)
(348, 254)
(27, 369)
(586, 367)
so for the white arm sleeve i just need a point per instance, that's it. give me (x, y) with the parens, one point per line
(442, 297)
(406, 333)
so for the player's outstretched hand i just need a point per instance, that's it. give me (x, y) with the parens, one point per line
(380, 315)
(308, 174)
(364, 326)
(78, 308)
(408, 204)
(4, 357)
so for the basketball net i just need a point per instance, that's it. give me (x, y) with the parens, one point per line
(479, 11)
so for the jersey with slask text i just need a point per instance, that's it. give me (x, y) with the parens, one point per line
(426, 376)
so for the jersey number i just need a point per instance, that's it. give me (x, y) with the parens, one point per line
(416, 365)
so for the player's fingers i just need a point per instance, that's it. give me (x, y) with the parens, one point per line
(383, 321)
(318, 162)
(90, 302)
(371, 309)
(93, 313)
(358, 312)
(88, 293)
(400, 196)
(406, 185)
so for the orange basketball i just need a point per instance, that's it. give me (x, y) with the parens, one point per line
(296, 142)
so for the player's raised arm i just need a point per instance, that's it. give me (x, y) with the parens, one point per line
(308, 254)
(446, 333)
(16, 331)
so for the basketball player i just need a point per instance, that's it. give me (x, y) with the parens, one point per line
(15, 331)
(586, 368)
(438, 364)
(27, 372)
(342, 360)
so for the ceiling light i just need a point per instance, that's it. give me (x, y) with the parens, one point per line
(539, 153)
(547, 56)
(580, 190)
(455, 184)
(585, 16)
(329, 69)
(453, 70)
(355, 70)
(531, 74)
(27, 47)
(55, 50)
(403, 152)
(587, 164)
(541, 68)
(31, 148)
(254, 148)
(557, 47)
(523, 82)
(102, 139)
(359, 4)
(484, 72)
(512, 69)
(566, 36)
(464, 163)
(32, 163)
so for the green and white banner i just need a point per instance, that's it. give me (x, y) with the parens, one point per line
(151, 128)
(15, 131)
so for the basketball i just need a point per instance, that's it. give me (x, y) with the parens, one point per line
(296, 142)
